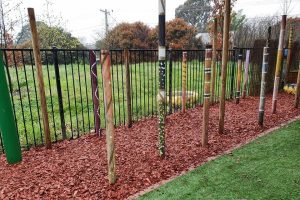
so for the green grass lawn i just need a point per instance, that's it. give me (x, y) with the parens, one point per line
(268, 168)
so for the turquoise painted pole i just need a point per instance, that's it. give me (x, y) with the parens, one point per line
(8, 127)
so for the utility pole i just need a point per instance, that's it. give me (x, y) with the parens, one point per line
(106, 13)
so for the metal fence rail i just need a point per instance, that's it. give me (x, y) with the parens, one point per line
(68, 86)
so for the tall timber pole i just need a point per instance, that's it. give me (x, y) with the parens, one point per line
(214, 61)
(278, 63)
(224, 65)
(162, 74)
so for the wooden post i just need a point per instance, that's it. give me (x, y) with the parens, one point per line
(128, 87)
(95, 91)
(265, 67)
(38, 64)
(297, 95)
(110, 130)
(162, 74)
(278, 63)
(289, 56)
(214, 61)
(224, 65)
(207, 71)
(170, 80)
(239, 77)
(246, 73)
(183, 79)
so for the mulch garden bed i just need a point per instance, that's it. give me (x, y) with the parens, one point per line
(78, 168)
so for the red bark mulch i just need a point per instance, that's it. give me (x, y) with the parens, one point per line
(78, 168)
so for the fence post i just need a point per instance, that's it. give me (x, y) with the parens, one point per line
(38, 63)
(183, 78)
(224, 65)
(289, 56)
(214, 61)
(128, 87)
(278, 63)
(110, 130)
(233, 64)
(239, 77)
(207, 71)
(297, 95)
(59, 93)
(246, 73)
(95, 91)
(170, 80)
(8, 127)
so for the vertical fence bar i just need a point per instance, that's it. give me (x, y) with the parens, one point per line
(59, 93)
(170, 79)
(278, 63)
(8, 127)
(162, 71)
(95, 96)
(128, 87)
(207, 71)
(38, 63)
(108, 100)
(246, 73)
(224, 65)
(183, 79)
(239, 77)
(233, 64)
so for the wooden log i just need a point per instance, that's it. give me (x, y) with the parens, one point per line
(207, 83)
(224, 65)
(128, 87)
(278, 64)
(183, 79)
(214, 61)
(265, 67)
(246, 73)
(109, 117)
(239, 77)
(40, 79)
(289, 56)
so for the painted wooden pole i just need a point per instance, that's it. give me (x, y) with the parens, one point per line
(128, 88)
(246, 73)
(239, 77)
(162, 74)
(278, 63)
(183, 78)
(207, 83)
(38, 64)
(110, 129)
(297, 95)
(289, 56)
(265, 66)
(95, 92)
(8, 127)
(214, 61)
(224, 65)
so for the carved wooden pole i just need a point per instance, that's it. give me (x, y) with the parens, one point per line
(214, 61)
(278, 63)
(95, 92)
(184, 77)
(38, 64)
(128, 87)
(239, 77)
(297, 95)
(289, 56)
(265, 66)
(207, 71)
(110, 130)
(162, 74)
(224, 65)
(246, 73)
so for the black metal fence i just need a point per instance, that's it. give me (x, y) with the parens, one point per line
(69, 94)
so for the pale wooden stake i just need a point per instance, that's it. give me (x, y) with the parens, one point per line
(239, 77)
(38, 64)
(289, 56)
(207, 71)
(246, 73)
(109, 117)
(224, 65)
(184, 77)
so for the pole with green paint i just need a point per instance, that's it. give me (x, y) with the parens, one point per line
(8, 127)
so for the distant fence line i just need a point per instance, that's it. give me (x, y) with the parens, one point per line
(67, 72)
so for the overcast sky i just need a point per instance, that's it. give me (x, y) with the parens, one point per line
(84, 19)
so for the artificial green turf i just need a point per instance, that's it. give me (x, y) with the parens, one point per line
(268, 168)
